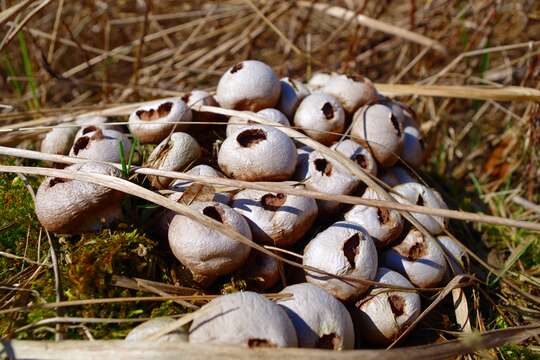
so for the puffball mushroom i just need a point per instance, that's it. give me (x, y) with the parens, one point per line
(207, 253)
(318, 80)
(343, 249)
(376, 126)
(263, 271)
(153, 326)
(292, 93)
(276, 218)
(383, 315)
(383, 225)
(418, 194)
(352, 92)
(321, 117)
(100, 145)
(152, 122)
(244, 319)
(458, 260)
(200, 97)
(422, 261)
(397, 175)
(236, 123)
(318, 173)
(174, 153)
(71, 207)
(179, 185)
(320, 320)
(258, 153)
(249, 85)
(357, 153)
(59, 140)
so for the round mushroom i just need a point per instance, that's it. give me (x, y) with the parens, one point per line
(200, 97)
(320, 320)
(321, 117)
(245, 319)
(318, 80)
(357, 153)
(258, 153)
(100, 145)
(249, 85)
(236, 123)
(153, 326)
(179, 186)
(343, 249)
(59, 140)
(457, 258)
(352, 92)
(276, 218)
(261, 270)
(72, 207)
(292, 93)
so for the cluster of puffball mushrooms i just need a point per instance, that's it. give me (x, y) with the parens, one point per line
(327, 309)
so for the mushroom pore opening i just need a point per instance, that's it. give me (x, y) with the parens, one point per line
(329, 341)
(154, 114)
(328, 110)
(214, 213)
(323, 166)
(186, 97)
(383, 215)
(416, 251)
(397, 304)
(273, 202)
(80, 144)
(420, 200)
(361, 160)
(250, 137)
(237, 68)
(395, 123)
(351, 249)
(89, 129)
(55, 181)
(254, 342)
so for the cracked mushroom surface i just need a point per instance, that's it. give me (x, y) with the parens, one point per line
(321, 321)
(100, 145)
(383, 315)
(236, 123)
(352, 92)
(153, 122)
(292, 93)
(276, 218)
(422, 261)
(153, 326)
(72, 207)
(258, 153)
(243, 319)
(343, 249)
(357, 153)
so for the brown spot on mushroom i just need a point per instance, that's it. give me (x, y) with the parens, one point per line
(328, 110)
(397, 304)
(237, 68)
(395, 123)
(253, 342)
(89, 129)
(361, 160)
(329, 341)
(186, 97)
(98, 135)
(383, 215)
(273, 202)
(162, 110)
(420, 200)
(214, 213)
(80, 144)
(416, 251)
(55, 181)
(250, 137)
(323, 166)
(350, 249)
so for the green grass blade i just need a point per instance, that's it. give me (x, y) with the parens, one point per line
(27, 65)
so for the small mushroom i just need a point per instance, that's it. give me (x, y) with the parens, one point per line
(243, 319)
(179, 186)
(343, 249)
(352, 92)
(100, 145)
(418, 194)
(59, 140)
(207, 253)
(321, 117)
(397, 175)
(153, 326)
(320, 320)
(422, 261)
(71, 207)
(174, 153)
(292, 93)
(249, 85)
(383, 225)
(357, 153)
(376, 126)
(258, 153)
(261, 270)
(318, 80)
(276, 218)
(236, 123)
(458, 260)
(383, 315)
(318, 173)
(153, 122)
(200, 97)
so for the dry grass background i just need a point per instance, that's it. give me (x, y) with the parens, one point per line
(71, 57)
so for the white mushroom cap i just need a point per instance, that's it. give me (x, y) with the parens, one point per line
(458, 260)
(320, 320)
(249, 85)
(179, 186)
(174, 154)
(101, 145)
(236, 123)
(243, 318)
(358, 153)
(276, 218)
(383, 315)
(325, 175)
(263, 271)
(343, 249)
(418, 194)
(151, 123)
(204, 251)
(413, 147)
(318, 80)
(397, 175)
(318, 114)
(351, 92)
(292, 93)
(422, 261)
(383, 225)
(258, 153)
(200, 97)
(153, 326)
(59, 140)
(377, 126)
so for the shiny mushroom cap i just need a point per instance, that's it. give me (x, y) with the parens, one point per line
(351, 92)
(357, 153)
(153, 326)
(236, 123)
(100, 145)
(292, 93)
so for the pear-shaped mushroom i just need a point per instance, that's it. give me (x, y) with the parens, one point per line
(352, 92)
(320, 320)
(249, 85)
(397, 175)
(343, 249)
(100, 145)
(153, 326)
(59, 140)
(321, 117)
(318, 80)
(174, 153)
(383, 315)
(422, 261)
(357, 153)
(245, 319)
(292, 93)
(200, 97)
(383, 225)
(207, 253)
(258, 153)
(276, 218)
(71, 207)
(153, 122)
(236, 123)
